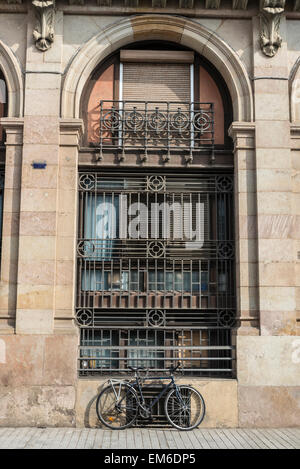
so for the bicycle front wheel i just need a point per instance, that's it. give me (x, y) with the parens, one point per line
(117, 406)
(184, 408)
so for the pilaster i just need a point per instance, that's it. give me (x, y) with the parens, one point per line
(10, 231)
(243, 135)
(39, 185)
(275, 221)
(66, 236)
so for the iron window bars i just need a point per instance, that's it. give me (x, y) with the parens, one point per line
(156, 295)
(145, 126)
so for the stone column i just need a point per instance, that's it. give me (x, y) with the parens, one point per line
(66, 236)
(10, 227)
(275, 218)
(243, 135)
(295, 144)
(39, 187)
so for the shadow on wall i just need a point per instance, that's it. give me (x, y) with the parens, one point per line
(90, 415)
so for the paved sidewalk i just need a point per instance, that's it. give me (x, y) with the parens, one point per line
(149, 438)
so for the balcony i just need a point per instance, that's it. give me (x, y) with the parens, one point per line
(161, 127)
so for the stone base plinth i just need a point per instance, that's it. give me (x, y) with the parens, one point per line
(269, 406)
(268, 369)
(220, 399)
(38, 379)
(35, 406)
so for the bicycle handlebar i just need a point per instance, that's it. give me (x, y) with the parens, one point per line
(174, 368)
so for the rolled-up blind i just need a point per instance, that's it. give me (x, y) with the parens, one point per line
(156, 82)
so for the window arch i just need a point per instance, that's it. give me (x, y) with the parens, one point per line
(106, 83)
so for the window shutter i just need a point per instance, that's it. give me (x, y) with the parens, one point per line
(156, 82)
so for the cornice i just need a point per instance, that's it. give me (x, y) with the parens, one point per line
(12, 123)
(293, 5)
(70, 125)
(195, 7)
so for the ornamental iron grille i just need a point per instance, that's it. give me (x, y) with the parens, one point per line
(156, 273)
(147, 126)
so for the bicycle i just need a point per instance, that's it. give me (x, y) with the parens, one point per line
(119, 403)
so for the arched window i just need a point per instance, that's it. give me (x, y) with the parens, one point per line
(155, 248)
(147, 72)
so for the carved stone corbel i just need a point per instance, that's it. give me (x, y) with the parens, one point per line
(43, 32)
(270, 16)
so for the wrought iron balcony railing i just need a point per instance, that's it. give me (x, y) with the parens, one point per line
(147, 126)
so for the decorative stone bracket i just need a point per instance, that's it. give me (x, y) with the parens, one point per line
(270, 16)
(43, 32)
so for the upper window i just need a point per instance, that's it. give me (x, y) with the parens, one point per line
(146, 100)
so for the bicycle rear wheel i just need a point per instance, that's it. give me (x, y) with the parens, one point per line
(184, 407)
(117, 406)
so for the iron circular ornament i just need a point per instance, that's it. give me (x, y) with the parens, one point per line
(85, 248)
(111, 120)
(156, 249)
(134, 120)
(179, 121)
(156, 183)
(84, 317)
(87, 182)
(202, 121)
(157, 121)
(156, 318)
(225, 250)
(224, 183)
(227, 318)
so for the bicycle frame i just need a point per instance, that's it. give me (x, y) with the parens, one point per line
(137, 383)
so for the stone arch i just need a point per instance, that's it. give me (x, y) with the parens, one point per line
(158, 27)
(294, 92)
(11, 70)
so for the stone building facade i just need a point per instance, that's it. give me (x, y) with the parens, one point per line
(217, 85)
